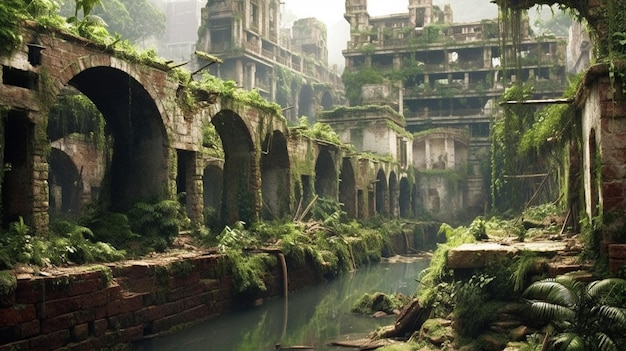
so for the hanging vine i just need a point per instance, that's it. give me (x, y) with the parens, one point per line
(75, 113)
(528, 142)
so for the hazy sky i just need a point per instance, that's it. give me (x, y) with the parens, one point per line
(331, 13)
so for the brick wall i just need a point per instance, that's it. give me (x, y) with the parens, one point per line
(82, 311)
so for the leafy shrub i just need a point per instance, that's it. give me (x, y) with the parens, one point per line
(8, 283)
(158, 222)
(67, 242)
(110, 227)
(472, 312)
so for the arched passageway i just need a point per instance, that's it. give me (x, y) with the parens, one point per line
(212, 183)
(275, 181)
(325, 175)
(138, 170)
(327, 101)
(306, 102)
(239, 190)
(404, 200)
(393, 195)
(65, 183)
(415, 199)
(347, 189)
(382, 195)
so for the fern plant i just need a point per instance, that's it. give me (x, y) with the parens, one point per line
(590, 317)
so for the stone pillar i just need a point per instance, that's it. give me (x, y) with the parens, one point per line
(487, 57)
(239, 72)
(40, 189)
(195, 189)
(41, 194)
(251, 75)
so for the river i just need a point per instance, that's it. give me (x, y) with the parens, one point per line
(311, 316)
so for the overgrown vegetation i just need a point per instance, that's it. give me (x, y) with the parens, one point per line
(527, 145)
(75, 113)
(319, 131)
(371, 303)
(66, 243)
(473, 297)
(324, 239)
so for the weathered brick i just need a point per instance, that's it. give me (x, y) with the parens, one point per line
(50, 309)
(81, 287)
(50, 341)
(31, 328)
(177, 282)
(98, 327)
(80, 332)
(128, 303)
(16, 314)
(95, 299)
(124, 320)
(185, 291)
(65, 321)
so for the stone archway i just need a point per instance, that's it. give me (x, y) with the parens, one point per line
(393, 195)
(306, 102)
(404, 200)
(138, 169)
(275, 180)
(65, 184)
(241, 173)
(327, 101)
(325, 175)
(212, 183)
(347, 189)
(382, 195)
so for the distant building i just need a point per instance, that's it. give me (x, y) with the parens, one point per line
(183, 18)
(445, 78)
(286, 66)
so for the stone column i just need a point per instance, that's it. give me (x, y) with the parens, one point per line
(195, 189)
(40, 189)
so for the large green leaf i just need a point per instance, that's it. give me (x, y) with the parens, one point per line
(546, 311)
(569, 342)
(553, 292)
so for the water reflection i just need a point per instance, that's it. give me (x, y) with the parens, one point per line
(312, 316)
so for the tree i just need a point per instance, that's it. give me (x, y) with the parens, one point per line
(135, 20)
(586, 318)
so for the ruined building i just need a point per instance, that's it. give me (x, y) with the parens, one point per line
(286, 66)
(181, 33)
(445, 78)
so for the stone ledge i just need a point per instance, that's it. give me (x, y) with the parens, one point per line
(478, 255)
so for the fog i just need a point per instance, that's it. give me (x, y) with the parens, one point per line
(331, 13)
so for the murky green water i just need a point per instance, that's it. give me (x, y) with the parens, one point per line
(312, 316)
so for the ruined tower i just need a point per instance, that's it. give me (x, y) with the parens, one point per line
(420, 12)
(356, 14)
